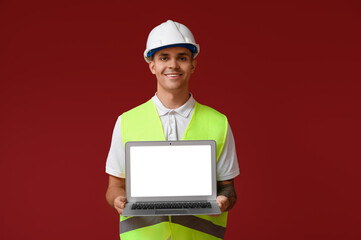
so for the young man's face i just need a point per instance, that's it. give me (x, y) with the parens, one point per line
(173, 68)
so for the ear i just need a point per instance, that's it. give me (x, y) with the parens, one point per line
(151, 67)
(194, 64)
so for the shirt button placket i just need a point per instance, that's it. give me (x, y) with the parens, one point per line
(172, 127)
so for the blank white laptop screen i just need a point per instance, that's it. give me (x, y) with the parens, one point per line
(161, 171)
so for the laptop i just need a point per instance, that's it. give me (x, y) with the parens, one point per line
(171, 178)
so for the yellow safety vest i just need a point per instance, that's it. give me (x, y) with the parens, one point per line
(143, 124)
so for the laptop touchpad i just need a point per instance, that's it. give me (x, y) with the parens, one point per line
(171, 211)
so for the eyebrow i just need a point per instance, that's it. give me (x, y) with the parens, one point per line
(184, 53)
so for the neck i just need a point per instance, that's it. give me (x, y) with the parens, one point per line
(173, 100)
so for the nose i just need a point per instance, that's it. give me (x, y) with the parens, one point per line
(173, 64)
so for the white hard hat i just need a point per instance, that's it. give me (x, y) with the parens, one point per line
(170, 34)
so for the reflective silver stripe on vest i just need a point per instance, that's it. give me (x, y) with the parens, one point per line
(140, 222)
(201, 225)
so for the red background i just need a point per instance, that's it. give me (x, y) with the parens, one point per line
(286, 73)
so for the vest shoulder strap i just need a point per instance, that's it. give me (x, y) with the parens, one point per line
(142, 123)
(207, 124)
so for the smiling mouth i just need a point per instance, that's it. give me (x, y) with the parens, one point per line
(173, 74)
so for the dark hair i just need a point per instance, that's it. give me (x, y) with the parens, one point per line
(150, 58)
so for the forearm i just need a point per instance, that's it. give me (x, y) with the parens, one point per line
(226, 188)
(115, 189)
(112, 193)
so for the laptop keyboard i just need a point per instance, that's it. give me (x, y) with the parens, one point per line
(171, 205)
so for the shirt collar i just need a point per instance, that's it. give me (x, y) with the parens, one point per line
(183, 110)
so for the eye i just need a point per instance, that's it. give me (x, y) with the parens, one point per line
(183, 59)
(164, 59)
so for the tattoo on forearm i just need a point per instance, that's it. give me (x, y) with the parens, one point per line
(226, 188)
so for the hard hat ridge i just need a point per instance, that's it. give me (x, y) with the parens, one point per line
(170, 34)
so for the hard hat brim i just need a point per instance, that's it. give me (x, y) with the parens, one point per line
(193, 48)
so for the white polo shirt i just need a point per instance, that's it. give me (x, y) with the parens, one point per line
(175, 122)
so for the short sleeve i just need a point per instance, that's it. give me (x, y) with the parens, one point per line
(115, 164)
(227, 166)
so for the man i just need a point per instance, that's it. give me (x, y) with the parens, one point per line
(172, 114)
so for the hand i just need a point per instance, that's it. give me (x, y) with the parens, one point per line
(119, 204)
(223, 203)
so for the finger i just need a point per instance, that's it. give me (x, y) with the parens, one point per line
(220, 203)
(119, 204)
(120, 210)
(119, 207)
(120, 199)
